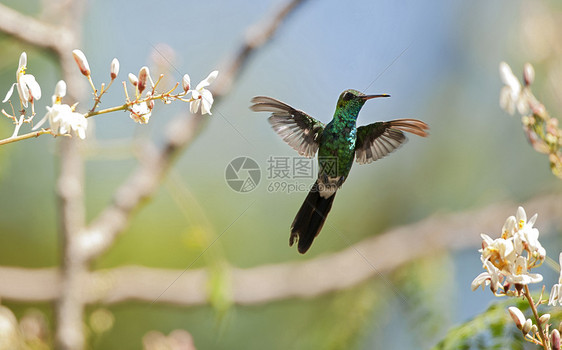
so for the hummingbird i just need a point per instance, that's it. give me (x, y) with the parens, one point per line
(338, 143)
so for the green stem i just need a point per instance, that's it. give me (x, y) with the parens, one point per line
(25, 136)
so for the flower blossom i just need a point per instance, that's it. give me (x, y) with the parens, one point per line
(512, 94)
(62, 119)
(140, 112)
(201, 97)
(28, 88)
(504, 258)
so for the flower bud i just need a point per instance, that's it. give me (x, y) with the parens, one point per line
(544, 318)
(82, 62)
(517, 316)
(555, 339)
(143, 77)
(528, 74)
(185, 82)
(534, 329)
(526, 328)
(114, 68)
(133, 79)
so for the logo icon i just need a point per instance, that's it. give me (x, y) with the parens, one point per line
(243, 174)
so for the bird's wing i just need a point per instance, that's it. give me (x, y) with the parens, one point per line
(376, 140)
(298, 129)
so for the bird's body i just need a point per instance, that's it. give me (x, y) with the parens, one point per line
(338, 143)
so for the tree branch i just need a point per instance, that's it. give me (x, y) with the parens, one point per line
(341, 270)
(34, 31)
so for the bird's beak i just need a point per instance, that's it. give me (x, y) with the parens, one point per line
(368, 97)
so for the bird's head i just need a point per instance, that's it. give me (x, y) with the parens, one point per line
(352, 100)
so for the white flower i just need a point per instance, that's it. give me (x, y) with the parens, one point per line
(28, 88)
(511, 95)
(520, 275)
(62, 119)
(140, 113)
(556, 291)
(499, 252)
(203, 97)
(527, 234)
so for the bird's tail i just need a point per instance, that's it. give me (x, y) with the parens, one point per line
(310, 218)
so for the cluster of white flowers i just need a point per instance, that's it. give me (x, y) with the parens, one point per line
(508, 259)
(62, 118)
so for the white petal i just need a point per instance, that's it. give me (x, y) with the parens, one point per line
(208, 80)
(480, 280)
(521, 217)
(194, 106)
(553, 294)
(60, 89)
(206, 101)
(23, 61)
(9, 94)
(532, 220)
(23, 92)
(509, 78)
(32, 85)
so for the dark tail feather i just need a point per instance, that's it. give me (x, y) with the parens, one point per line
(310, 219)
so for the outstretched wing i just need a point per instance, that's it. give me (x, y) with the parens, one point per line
(298, 129)
(376, 140)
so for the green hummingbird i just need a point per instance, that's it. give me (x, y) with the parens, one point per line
(338, 143)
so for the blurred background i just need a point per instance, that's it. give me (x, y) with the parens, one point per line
(439, 63)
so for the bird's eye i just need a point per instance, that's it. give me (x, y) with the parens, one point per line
(347, 96)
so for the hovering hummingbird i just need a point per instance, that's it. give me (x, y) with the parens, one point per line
(337, 143)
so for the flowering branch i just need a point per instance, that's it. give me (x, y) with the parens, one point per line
(507, 261)
(64, 120)
(541, 129)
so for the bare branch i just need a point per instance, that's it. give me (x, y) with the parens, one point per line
(33, 31)
(307, 279)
